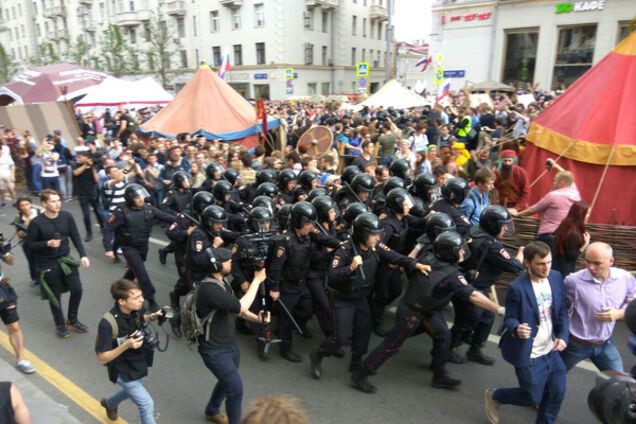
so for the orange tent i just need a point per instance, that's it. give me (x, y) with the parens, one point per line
(207, 105)
(591, 131)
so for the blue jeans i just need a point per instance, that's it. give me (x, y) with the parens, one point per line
(137, 393)
(605, 357)
(51, 182)
(540, 383)
(37, 180)
(224, 364)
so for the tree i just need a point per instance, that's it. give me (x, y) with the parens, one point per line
(46, 55)
(78, 51)
(117, 52)
(163, 49)
(8, 67)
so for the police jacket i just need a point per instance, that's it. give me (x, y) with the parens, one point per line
(176, 201)
(349, 284)
(345, 197)
(323, 253)
(245, 253)
(178, 230)
(292, 255)
(461, 221)
(496, 258)
(286, 198)
(131, 226)
(395, 232)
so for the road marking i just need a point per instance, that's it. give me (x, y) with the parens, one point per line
(63, 384)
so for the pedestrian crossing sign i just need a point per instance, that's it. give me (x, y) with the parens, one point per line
(362, 69)
(289, 74)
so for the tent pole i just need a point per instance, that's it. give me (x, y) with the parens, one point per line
(545, 171)
(600, 183)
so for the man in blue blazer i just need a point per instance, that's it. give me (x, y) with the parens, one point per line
(536, 330)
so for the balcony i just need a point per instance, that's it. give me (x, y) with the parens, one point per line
(52, 12)
(379, 13)
(89, 25)
(325, 4)
(132, 18)
(232, 4)
(86, 2)
(176, 8)
(58, 34)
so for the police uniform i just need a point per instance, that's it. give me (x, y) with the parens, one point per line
(176, 201)
(496, 259)
(177, 232)
(196, 258)
(345, 197)
(462, 223)
(132, 228)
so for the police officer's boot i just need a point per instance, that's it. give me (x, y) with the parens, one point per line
(378, 329)
(359, 381)
(163, 255)
(475, 354)
(315, 359)
(261, 348)
(455, 357)
(356, 362)
(175, 325)
(442, 379)
(290, 355)
(174, 302)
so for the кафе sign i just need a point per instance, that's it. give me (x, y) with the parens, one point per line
(580, 6)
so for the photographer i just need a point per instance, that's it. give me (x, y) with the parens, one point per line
(120, 346)
(219, 348)
(21, 221)
(86, 184)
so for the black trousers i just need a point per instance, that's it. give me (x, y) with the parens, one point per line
(135, 258)
(184, 283)
(30, 257)
(297, 299)
(408, 324)
(388, 287)
(471, 322)
(352, 320)
(86, 203)
(320, 303)
(55, 279)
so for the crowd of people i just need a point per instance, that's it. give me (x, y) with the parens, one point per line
(268, 238)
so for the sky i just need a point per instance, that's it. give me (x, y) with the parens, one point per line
(412, 19)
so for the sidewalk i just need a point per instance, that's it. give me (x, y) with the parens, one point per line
(43, 408)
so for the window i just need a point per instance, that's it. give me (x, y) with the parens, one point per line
(376, 62)
(131, 5)
(324, 88)
(102, 11)
(236, 20)
(520, 56)
(379, 30)
(312, 88)
(309, 54)
(308, 18)
(364, 54)
(364, 27)
(35, 8)
(354, 24)
(147, 34)
(324, 55)
(163, 28)
(150, 60)
(622, 30)
(238, 54)
(353, 56)
(46, 27)
(214, 21)
(132, 32)
(575, 52)
(372, 29)
(184, 58)
(181, 27)
(23, 31)
(260, 53)
(194, 26)
(325, 21)
(38, 31)
(197, 60)
(216, 55)
(259, 15)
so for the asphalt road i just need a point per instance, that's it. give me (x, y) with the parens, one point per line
(181, 385)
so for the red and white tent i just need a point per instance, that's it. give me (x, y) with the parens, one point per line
(114, 92)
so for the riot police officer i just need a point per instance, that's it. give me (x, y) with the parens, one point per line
(177, 200)
(262, 176)
(435, 224)
(223, 192)
(420, 311)
(424, 187)
(402, 169)
(358, 191)
(453, 194)
(131, 224)
(488, 260)
(307, 181)
(286, 185)
(350, 280)
(214, 173)
(379, 202)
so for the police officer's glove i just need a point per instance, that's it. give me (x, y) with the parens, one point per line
(471, 275)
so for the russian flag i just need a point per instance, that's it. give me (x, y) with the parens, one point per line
(225, 64)
(443, 92)
(424, 62)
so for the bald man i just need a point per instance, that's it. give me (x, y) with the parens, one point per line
(597, 297)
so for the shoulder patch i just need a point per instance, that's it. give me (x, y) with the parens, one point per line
(335, 261)
(383, 246)
(173, 226)
(198, 246)
(503, 252)
(462, 280)
(234, 248)
(280, 252)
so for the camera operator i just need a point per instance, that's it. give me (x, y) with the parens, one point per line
(220, 349)
(86, 184)
(120, 346)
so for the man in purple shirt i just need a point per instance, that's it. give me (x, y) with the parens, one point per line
(597, 298)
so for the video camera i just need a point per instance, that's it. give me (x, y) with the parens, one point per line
(256, 250)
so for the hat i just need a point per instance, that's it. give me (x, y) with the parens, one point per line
(459, 146)
(222, 255)
(57, 132)
(508, 154)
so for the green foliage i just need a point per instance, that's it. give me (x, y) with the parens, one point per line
(78, 52)
(117, 54)
(46, 55)
(163, 49)
(8, 67)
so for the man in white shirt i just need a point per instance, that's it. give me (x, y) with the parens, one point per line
(7, 176)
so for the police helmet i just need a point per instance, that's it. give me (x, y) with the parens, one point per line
(232, 175)
(396, 198)
(400, 168)
(180, 180)
(318, 191)
(214, 171)
(263, 201)
(301, 213)
(306, 178)
(323, 204)
(200, 201)
(282, 216)
(349, 172)
(364, 225)
(448, 246)
(454, 190)
(423, 185)
(493, 218)
(437, 223)
(211, 215)
(284, 177)
(419, 209)
(353, 210)
(267, 189)
(258, 216)
(134, 191)
(221, 189)
(391, 183)
(362, 182)
(265, 176)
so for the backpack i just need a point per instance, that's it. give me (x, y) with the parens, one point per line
(193, 327)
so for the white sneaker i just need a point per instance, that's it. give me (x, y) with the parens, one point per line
(25, 366)
(491, 406)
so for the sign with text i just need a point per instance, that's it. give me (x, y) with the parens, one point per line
(579, 6)
(455, 74)
(261, 76)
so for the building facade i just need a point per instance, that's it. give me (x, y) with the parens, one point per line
(549, 43)
(321, 40)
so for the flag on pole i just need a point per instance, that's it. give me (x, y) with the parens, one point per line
(225, 63)
(442, 92)
(424, 62)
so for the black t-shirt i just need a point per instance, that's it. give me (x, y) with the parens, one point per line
(42, 229)
(86, 185)
(360, 162)
(130, 365)
(212, 296)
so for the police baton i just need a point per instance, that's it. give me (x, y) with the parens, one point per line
(356, 196)
(191, 218)
(357, 253)
(290, 316)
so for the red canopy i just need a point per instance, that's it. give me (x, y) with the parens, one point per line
(591, 129)
(46, 83)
